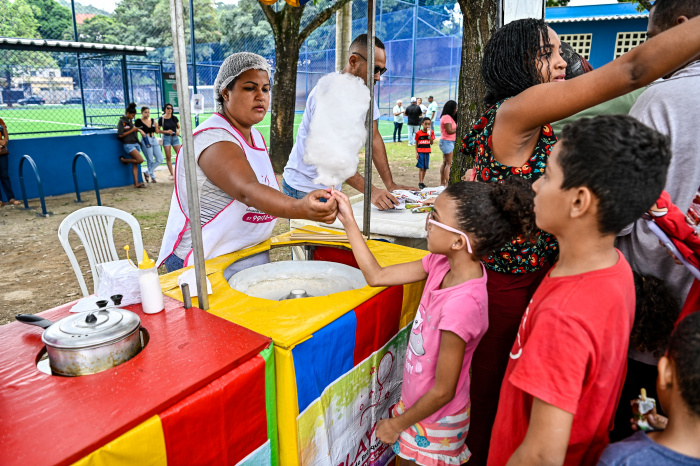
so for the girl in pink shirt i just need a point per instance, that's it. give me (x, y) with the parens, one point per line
(429, 424)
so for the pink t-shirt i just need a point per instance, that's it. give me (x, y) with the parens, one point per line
(443, 130)
(461, 309)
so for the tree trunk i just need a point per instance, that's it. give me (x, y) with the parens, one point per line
(286, 31)
(288, 39)
(343, 36)
(284, 91)
(479, 22)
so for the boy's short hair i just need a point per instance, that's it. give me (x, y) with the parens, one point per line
(425, 119)
(666, 12)
(622, 161)
(684, 350)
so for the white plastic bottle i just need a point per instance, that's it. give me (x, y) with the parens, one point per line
(151, 293)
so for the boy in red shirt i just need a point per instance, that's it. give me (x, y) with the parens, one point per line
(568, 362)
(424, 139)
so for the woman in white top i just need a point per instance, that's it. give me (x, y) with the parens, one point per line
(239, 195)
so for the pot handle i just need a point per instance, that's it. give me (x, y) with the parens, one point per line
(34, 320)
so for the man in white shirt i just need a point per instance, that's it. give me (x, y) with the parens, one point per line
(398, 111)
(432, 112)
(298, 176)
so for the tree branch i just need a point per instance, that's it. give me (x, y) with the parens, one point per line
(270, 15)
(321, 18)
(645, 3)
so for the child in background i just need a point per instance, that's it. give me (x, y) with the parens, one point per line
(678, 387)
(429, 424)
(568, 362)
(424, 139)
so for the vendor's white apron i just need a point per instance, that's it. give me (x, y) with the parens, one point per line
(233, 227)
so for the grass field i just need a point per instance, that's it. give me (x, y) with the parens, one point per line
(40, 120)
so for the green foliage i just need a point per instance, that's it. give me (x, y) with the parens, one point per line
(244, 28)
(147, 23)
(80, 8)
(100, 29)
(557, 2)
(642, 5)
(18, 20)
(55, 21)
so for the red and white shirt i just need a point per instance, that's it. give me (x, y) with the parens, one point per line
(423, 141)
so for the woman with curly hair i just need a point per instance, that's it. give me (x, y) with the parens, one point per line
(524, 74)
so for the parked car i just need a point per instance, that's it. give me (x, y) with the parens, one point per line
(33, 99)
(72, 100)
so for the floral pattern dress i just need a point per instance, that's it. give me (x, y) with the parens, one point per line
(522, 254)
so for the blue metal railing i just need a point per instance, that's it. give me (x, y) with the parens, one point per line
(94, 177)
(38, 182)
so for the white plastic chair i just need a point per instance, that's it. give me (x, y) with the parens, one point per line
(93, 225)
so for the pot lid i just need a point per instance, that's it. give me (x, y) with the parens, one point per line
(89, 329)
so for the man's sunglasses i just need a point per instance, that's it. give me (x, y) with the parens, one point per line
(377, 69)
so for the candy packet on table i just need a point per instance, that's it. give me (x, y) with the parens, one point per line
(411, 196)
(642, 406)
(431, 192)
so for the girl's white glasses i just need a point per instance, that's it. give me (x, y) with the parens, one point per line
(429, 220)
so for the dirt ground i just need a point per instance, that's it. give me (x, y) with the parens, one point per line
(35, 274)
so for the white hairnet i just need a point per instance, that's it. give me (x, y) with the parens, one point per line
(233, 66)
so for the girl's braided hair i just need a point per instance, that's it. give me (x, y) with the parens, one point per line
(510, 64)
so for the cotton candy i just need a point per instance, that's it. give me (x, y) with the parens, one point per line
(337, 129)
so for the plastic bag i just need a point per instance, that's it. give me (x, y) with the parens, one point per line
(119, 277)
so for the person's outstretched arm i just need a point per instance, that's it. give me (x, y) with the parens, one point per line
(225, 164)
(375, 274)
(522, 116)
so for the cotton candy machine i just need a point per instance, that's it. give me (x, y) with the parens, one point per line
(334, 338)
(283, 280)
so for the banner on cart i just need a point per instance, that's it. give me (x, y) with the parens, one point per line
(338, 428)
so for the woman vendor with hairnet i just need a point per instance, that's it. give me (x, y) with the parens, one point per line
(238, 192)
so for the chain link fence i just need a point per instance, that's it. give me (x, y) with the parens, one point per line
(47, 93)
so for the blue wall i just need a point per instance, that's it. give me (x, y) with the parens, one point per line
(54, 156)
(604, 35)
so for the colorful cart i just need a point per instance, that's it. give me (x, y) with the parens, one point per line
(338, 358)
(196, 394)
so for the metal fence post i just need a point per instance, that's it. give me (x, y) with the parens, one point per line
(125, 81)
(449, 92)
(369, 124)
(178, 30)
(413, 49)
